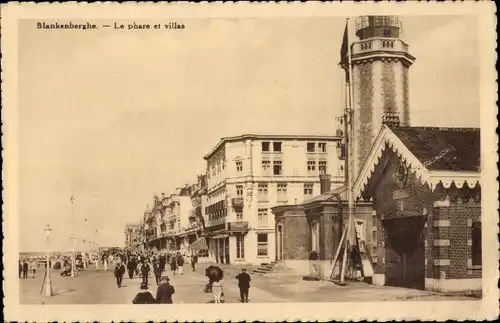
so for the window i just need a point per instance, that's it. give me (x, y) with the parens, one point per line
(374, 236)
(308, 191)
(262, 218)
(281, 192)
(239, 166)
(262, 244)
(277, 146)
(311, 167)
(266, 167)
(265, 146)
(322, 147)
(322, 166)
(239, 190)
(240, 247)
(277, 167)
(311, 147)
(341, 170)
(476, 244)
(262, 193)
(239, 216)
(374, 220)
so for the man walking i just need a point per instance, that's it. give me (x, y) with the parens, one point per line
(145, 271)
(119, 272)
(244, 284)
(165, 291)
(194, 260)
(25, 269)
(131, 268)
(20, 268)
(157, 272)
(180, 263)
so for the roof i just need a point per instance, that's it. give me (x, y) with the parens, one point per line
(269, 137)
(328, 196)
(436, 155)
(450, 149)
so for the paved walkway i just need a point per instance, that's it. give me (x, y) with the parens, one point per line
(98, 287)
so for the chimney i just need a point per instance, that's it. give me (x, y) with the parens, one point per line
(325, 182)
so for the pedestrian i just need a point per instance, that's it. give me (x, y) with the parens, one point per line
(180, 263)
(157, 272)
(20, 268)
(173, 265)
(105, 261)
(119, 272)
(144, 296)
(33, 267)
(25, 269)
(130, 268)
(217, 291)
(194, 260)
(165, 291)
(145, 271)
(162, 262)
(244, 284)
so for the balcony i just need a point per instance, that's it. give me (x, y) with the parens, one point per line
(237, 201)
(238, 226)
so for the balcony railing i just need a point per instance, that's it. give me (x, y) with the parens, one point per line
(237, 201)
(237, 226)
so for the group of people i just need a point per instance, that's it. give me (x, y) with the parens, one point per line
(216, 287)
(142, 264)
(26, 266)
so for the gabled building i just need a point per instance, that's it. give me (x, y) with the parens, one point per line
(424, 183)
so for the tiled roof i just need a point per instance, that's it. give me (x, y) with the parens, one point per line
(446, 149)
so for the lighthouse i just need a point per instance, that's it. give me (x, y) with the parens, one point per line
(380, 64)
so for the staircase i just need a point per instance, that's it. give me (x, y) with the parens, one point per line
(265, 268)
(272, 269)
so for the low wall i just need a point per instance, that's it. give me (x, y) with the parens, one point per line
(316, 268)
(453, 285)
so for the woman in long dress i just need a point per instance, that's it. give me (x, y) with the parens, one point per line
(217, 291)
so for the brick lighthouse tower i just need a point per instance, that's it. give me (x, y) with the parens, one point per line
(380, 64)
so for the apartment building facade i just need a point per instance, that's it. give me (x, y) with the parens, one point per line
(133, 236)
(249, 174)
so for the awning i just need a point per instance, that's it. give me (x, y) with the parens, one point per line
(200, 244)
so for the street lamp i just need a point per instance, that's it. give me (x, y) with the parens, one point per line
(73, 258)
(85, 259)
(48, 282)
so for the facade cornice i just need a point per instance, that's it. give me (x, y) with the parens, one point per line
(243, 137)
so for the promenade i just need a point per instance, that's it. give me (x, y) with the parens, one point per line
(98, 287)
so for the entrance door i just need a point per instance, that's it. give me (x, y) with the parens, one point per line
(405, 258)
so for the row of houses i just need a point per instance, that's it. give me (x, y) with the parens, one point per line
(227, 215)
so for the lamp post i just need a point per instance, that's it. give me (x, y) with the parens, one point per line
(73, 258)
(85, 259)
(48, 282)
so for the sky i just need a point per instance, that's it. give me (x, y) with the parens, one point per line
(114, 117)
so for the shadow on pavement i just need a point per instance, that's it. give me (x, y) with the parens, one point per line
(64, 291)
